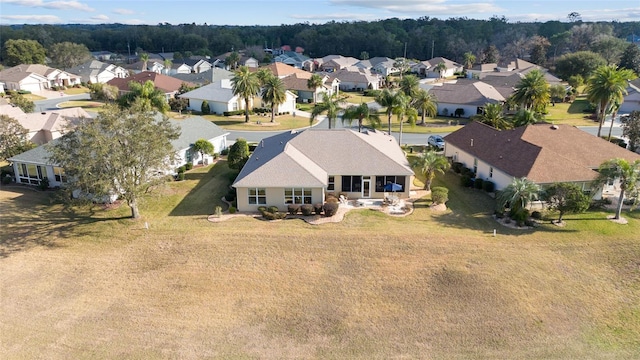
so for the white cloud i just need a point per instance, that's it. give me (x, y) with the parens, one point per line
(100, 17)
(133, 22)
(124, 11)
(38, 19)
(337, 16)
(57, 5)
(428, 7)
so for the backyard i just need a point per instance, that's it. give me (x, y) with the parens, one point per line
(88, 282)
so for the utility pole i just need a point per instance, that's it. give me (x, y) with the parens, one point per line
(433, 44)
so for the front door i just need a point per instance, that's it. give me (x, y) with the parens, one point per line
(366, 188)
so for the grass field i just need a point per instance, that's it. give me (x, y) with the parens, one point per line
(571, 113)
(91, 283)
(259, 123)
(85, 104)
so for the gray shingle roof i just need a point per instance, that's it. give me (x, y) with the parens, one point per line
(218, 91)
(468, 92)
(193, 129)
(306, 158)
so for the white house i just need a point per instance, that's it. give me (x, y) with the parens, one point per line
(36, 77)
(95, 71)
(193, 129)
(469, 95)
(632, 99)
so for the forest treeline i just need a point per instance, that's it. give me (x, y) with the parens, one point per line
(421, 37)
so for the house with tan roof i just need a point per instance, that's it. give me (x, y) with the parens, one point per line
(36, 77)
(427, 68)
(46, 125)
(282, 70)
(288, 168)
(357, 79)
(167, 84)
(298, 82)
(467, 94)
(94, 71)
(543, 153)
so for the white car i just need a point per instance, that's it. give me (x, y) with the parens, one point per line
(436, 141)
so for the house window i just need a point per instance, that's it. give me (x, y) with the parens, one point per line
(331, 183)
(297, 196)
(382, 181)
(491, 171)
(60, 176)
(475, 166)
(351, 183)
(257, 196)
(188, 155)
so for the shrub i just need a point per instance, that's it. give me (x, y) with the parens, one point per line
(230, 196)
(224, 152)
(499, 214)
(529, 223)
(273, 209)
(188, 166)
(536, 215)
(439, 195)
(457, 167)
(599, 204)
(488, 186)
(235, 112)
(218, 211)
(262, 209)
(232, 210)
(317, 208)
(466, 181)
(204, 108)
(7, 179)
(519, 216)
(332, 199)
(180, 176)
(478, 183)
(330, 209)
(181, 169)
(293, 209)
(307, 209)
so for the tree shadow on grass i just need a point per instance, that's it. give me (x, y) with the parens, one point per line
(207, 194)
(33, 218)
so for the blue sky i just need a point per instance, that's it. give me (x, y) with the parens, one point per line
(276, 12)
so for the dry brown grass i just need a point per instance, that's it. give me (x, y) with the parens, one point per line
(82, 284)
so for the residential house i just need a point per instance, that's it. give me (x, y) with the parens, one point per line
(357, 79)
(469, 95)
(179, 68)
(298, 82)
(94, 71)
(291, 58)
(167, 84)
(103, 55)
(288, 168)
(333, 63)
(283, 70)
(197, 64)
(218, 94)
(34, 165)
(632, 99)
(427, 68)
(543, 153)
(1, 88)
(153, 65)
(30, 77)
(206, 77)
(245, 60)
(46, 125)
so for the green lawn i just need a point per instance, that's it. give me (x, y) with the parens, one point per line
(570, 113)
(76, 91)
(89, 105)
(33, 97)
(81, 282)
(357, 98)
(259, 123)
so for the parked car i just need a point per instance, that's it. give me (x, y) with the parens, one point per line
(436, 141)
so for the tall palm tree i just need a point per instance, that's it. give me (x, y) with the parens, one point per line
(146, 94)
(263, 74)
(469, 60)
(441, 68)
(605, 86)
(232, 60)
(144, 57)
(517, 195)
(532, 92)
(361, 113)
(430, 163)
(426, 103)
(526, 117)
(246, 85)
(409, 85)
(167, 65)
(627, 174)
(329, 105)
(403, 108)
(388, 99)
(274, 93)
(493, 116)
(313, 83)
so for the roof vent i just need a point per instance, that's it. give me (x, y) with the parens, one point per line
(554, 127)
(471, 142)
(261, 143)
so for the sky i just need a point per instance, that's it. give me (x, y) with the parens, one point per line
(277, 12)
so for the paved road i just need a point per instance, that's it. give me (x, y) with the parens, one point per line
(51, 104)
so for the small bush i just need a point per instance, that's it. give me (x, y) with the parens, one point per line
(7, 179)
(262, 209)
(218, 211)
(488, 186)
(499, 214)
(230, 195)
(180, 176)
(439, 195)
(332, 199)
(330, 209)
(273, 209)
(293, 209)
(181, 169)
(520, 216)
(224, 152)
(307, 209)
(317, 209)
(478, 183)
(188, 166)
(536, 215)
(466, 181)
(599, 204)
(232, 210)
(235, 112)
(529, 223)
(457, 167)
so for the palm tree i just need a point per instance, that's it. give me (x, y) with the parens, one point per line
(430, 163)
(274, 93)
(167, 65)
(517, 195)
(605, 86)
(329, 105)
(526, 117)
(627, 174)
(403, 107)
(532, 92)
(263, 74)
(557, 93)
(409, 85)
(426, 103)
(469, 59)
(441, 68)
(147, 94)
(387, 98)
(245, 84)
(615, 107)
(144, 57)
(361, 113)
(313, 83)
(232, 60)
(493, 116)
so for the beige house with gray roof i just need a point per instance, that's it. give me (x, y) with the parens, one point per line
(469, 95)
(303, 167)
